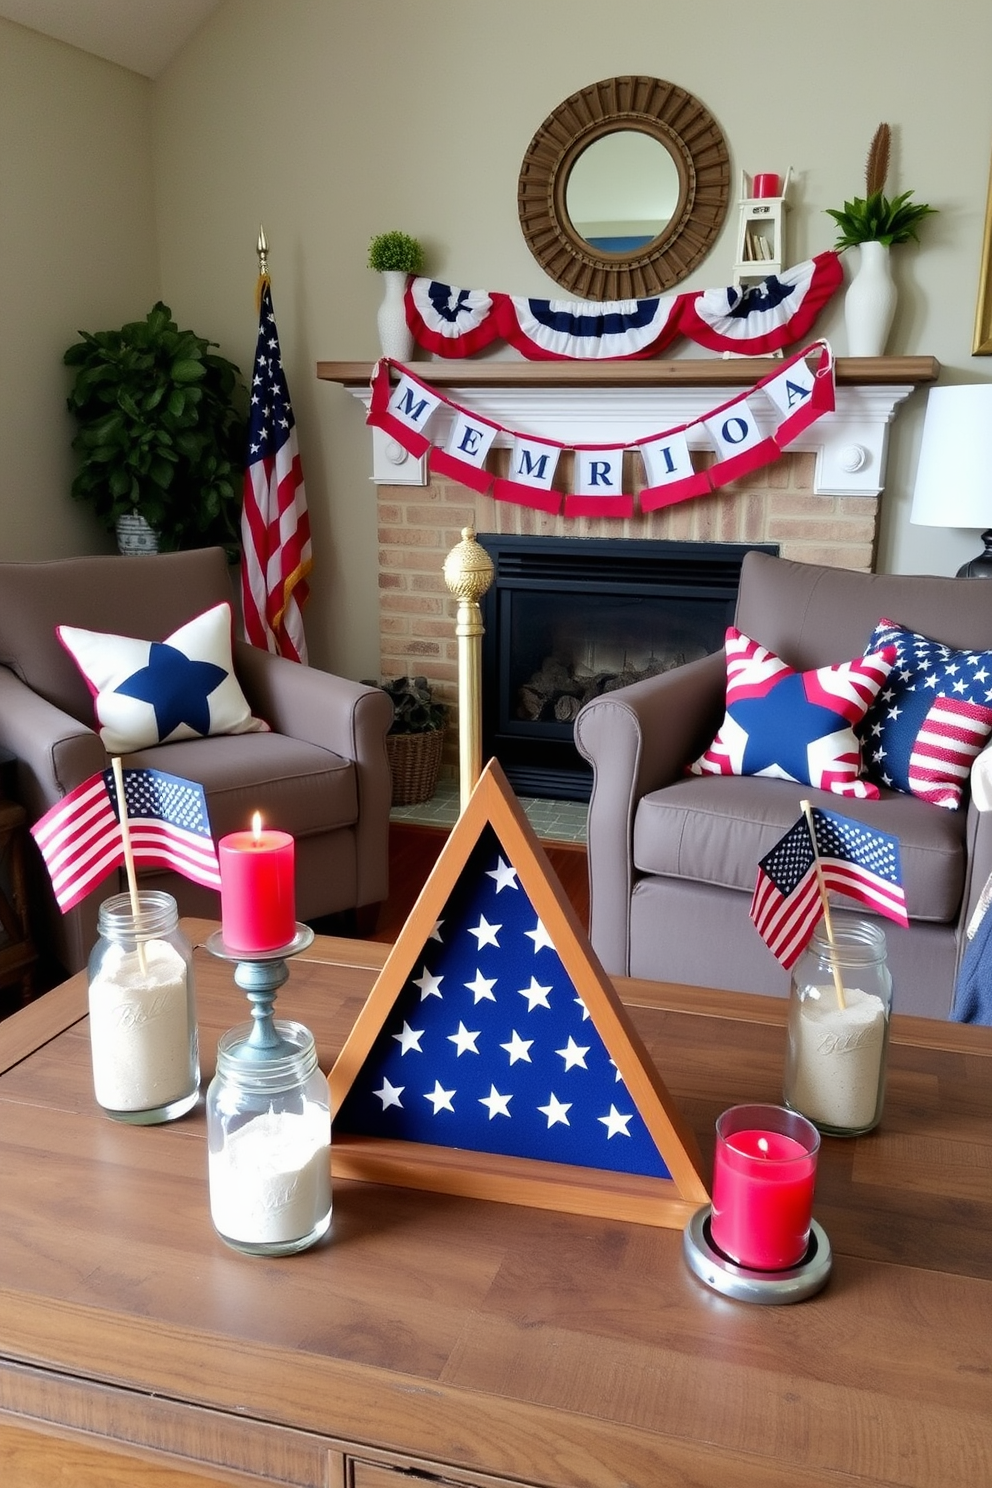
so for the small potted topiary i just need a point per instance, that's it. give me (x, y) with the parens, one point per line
(395, 255)
(873, 223)
(415, 740)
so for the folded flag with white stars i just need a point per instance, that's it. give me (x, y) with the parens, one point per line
(489, 1047)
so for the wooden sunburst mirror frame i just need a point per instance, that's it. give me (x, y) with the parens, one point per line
(696, 144)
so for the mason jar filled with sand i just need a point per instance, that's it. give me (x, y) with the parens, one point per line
(142, 1006)
(269, 1142)
(838, 1029)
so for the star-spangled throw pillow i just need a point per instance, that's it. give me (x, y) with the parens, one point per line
(157, 692)
(931, 719)
(794, 725)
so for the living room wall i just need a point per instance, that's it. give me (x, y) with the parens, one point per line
(77, 251)
(329, 120)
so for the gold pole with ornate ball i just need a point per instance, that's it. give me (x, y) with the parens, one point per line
(468, 572)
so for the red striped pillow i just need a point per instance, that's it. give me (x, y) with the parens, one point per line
(932, 718)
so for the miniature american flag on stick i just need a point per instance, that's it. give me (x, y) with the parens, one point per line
(854, 860)
(81, 841)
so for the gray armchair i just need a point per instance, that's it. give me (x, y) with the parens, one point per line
(673, 860)
(321, 774)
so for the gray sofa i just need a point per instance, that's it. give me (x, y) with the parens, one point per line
(673, 860)
(321, 774)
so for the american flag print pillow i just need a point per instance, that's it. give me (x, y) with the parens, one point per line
(931, 719)
(793, 725)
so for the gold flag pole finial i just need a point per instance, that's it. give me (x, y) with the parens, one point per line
(468, 573)
(262, 249)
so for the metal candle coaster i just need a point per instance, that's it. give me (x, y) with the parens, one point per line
(260, 976)
(746, 1285)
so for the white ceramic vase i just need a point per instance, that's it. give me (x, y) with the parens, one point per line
(395, 336)
(870, 302)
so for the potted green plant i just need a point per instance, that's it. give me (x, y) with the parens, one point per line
(395, 255)
(415, 739)
(874, 223)
(162, 431)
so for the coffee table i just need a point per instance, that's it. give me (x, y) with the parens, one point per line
(477, 1343)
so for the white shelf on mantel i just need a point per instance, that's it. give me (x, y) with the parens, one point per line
(620, 402)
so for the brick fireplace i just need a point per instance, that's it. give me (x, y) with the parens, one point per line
(819, 503)
(418, 527)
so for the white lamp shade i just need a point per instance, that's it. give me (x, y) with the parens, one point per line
(954, 474)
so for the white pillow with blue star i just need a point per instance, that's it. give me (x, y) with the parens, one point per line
(158, 692)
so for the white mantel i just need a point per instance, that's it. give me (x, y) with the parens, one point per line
(620, 402)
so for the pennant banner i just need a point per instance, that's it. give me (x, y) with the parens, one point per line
(795, 395)
(751, 321)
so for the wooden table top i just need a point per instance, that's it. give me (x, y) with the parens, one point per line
(547, 1348)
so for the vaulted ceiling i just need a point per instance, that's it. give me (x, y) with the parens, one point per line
(143, 35)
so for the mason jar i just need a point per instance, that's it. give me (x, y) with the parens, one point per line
(269, 1142)
(838, 1029)
(142, 1006)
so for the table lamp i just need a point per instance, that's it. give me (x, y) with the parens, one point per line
(954, 473)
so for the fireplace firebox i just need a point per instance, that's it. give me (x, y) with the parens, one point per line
(569, 618)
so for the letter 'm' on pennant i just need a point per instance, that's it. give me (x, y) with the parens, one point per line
(464, 455)
(531, 476)
(405, 411)
(494, 1058)
(669, 473)
(741, 446)
(599, 485)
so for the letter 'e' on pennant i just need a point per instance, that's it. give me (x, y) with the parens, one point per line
(494, 1059)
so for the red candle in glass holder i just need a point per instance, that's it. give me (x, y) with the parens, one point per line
(764, 1173)
(257, 889)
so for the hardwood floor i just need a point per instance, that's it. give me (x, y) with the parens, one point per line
(413, 851)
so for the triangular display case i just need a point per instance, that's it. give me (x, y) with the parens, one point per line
(493, 1058)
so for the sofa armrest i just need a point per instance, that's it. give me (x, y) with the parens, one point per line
(637, 740)
(347, 717)
(55, 752)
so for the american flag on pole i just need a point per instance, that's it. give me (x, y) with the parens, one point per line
(854, 859)
(81, 842)
(275, 523)
(488, 1046)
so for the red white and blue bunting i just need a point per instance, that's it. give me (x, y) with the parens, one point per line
(752, 321)
(744, 433)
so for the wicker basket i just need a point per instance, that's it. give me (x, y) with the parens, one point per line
(414, 760)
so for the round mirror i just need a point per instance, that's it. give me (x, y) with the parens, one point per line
(624, 188)
(622, 192)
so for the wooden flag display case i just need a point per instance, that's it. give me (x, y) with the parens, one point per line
(493, 1058)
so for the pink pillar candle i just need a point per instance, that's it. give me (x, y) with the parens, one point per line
(766, 184)
(764, 1172)
(257, 889)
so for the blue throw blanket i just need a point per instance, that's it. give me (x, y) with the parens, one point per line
(973, 993)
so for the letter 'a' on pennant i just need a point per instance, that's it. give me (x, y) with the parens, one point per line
(494, 1059)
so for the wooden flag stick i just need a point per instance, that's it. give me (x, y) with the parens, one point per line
(132, 881)
(838, 979)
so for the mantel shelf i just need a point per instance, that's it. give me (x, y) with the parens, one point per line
(714, 372)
